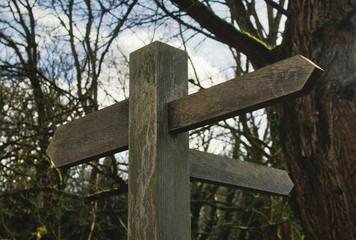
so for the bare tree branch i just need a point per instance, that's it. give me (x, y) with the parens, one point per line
(253, 48)
(105, 193)
(277, 7)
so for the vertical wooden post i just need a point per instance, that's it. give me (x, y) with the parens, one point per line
(159, 193)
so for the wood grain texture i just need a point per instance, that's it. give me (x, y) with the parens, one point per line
(106, 131)
(159, 186)
(96, 135)
(235, 173)
(289, 78)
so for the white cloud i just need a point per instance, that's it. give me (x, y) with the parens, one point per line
(207, 68)
(208, 74)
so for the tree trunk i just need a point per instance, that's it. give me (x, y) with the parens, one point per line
(319, 130)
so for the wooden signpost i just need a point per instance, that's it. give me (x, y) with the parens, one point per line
(153, 125)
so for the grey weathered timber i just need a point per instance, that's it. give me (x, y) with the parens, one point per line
(159, 192)
(105, 132)
(151, 125)
(235, 173)
(277, 82)
(96, 135)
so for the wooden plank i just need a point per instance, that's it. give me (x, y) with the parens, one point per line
(105, 132)
(96, 135)
(235, 173)
(159, 185)
(277, 82)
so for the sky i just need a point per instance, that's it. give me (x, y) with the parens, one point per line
(212, 60)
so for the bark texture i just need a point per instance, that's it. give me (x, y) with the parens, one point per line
(319, 130)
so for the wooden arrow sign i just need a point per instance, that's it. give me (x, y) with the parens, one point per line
(235, 173)
(154, 122)
(278, 82)
(106, 131)
(96, 135)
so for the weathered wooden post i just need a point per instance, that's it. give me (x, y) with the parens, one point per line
(158, 160)
(153, 124)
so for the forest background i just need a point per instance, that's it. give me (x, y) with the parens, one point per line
(61, 60)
